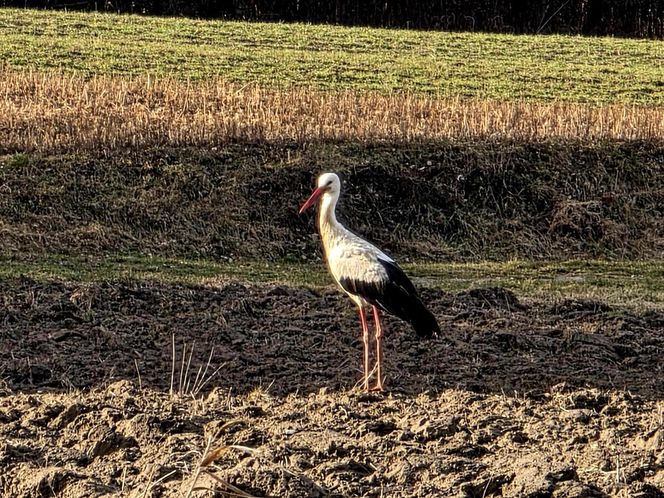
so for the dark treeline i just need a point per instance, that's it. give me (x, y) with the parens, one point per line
(636, 18)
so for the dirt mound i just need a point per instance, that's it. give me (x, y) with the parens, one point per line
(130, 441)
(58, 335)
(429, 201)
(492, 297)
(511, 400)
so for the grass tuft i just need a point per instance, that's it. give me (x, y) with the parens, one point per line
(187, 384)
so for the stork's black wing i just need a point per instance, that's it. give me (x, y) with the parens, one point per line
(397, 295)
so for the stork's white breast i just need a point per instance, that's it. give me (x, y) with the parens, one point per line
(357, 260)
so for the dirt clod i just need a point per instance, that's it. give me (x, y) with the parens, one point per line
(558, 400)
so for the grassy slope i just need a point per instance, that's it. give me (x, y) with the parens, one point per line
(437, 201)
(637, 285)
(599, 70)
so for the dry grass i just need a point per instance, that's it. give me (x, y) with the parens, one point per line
(51, 111)
(187, 384)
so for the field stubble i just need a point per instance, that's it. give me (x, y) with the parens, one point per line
(57, 112)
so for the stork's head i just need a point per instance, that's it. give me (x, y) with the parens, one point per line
(328, 183)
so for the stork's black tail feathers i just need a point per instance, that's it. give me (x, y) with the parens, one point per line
(421, 319)
(395, 295)
(400, 298)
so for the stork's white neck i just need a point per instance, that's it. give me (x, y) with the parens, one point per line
(328, 206)
(328, 226)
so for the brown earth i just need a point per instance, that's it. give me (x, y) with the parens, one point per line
(528, 399)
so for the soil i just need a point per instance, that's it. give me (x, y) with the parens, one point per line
(516, 398)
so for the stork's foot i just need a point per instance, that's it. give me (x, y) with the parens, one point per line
(378, 388)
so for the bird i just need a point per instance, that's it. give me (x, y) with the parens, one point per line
(371, 278)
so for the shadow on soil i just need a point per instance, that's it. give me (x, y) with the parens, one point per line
(57, 336)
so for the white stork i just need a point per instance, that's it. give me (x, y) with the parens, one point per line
(368, 275)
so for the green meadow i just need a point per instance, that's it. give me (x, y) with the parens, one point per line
(469, 65)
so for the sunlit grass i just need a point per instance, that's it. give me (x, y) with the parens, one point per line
(631, 284)
(475, 65)
(51, 111)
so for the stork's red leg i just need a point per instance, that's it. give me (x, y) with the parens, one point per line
(365, 340)
(379, 336)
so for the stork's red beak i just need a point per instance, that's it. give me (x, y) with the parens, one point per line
(311, 200)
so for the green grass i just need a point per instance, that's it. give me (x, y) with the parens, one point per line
(635, 285)
(632, 284)
(538, 68)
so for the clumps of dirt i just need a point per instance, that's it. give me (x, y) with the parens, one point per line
(141, 442)
(59, 335)
(492, 297)
(513, 399)
(571, 307)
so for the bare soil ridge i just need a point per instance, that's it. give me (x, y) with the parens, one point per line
(59, 335)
